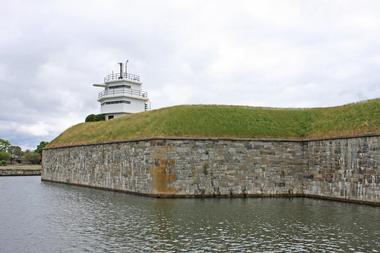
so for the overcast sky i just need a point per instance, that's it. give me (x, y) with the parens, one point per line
(259, 53)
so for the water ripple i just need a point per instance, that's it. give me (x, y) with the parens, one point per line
(46, 217)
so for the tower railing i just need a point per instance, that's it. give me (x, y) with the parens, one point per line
(116, 76)
(123, 91)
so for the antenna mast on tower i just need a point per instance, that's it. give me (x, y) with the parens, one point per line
(121, 70)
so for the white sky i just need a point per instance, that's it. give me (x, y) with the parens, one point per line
(259, 53)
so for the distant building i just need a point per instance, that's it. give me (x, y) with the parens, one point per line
(122, 94)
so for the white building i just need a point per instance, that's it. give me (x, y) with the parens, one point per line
(122, 94)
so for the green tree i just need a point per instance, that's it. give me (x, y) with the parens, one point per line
(41, 146)
(31, 157)
(15, 153)
(4, 145)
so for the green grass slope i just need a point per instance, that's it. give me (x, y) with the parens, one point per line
(225, 121)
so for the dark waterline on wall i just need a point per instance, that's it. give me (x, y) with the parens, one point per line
(38, 216)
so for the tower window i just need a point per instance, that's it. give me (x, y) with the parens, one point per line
(116, 102)
(119, 86)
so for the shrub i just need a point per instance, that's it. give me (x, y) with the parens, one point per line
(4, 156)
(94, 118)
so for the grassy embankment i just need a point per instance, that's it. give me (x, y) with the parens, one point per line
(231, 122)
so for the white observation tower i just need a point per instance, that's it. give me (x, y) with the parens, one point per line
(122, 94)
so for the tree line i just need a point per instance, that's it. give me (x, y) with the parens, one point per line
(11, 154)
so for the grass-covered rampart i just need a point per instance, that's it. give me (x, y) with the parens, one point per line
(223, 121)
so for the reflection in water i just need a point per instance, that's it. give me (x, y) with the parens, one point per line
(48, 217)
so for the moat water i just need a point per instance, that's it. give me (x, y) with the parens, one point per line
(39, 217)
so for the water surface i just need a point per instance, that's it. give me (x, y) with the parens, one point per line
(37, 216)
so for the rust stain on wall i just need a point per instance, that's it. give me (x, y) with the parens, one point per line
(163, 172)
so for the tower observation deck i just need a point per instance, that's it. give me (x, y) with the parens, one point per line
(122, 94)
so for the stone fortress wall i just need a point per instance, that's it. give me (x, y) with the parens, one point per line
(346, 169)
